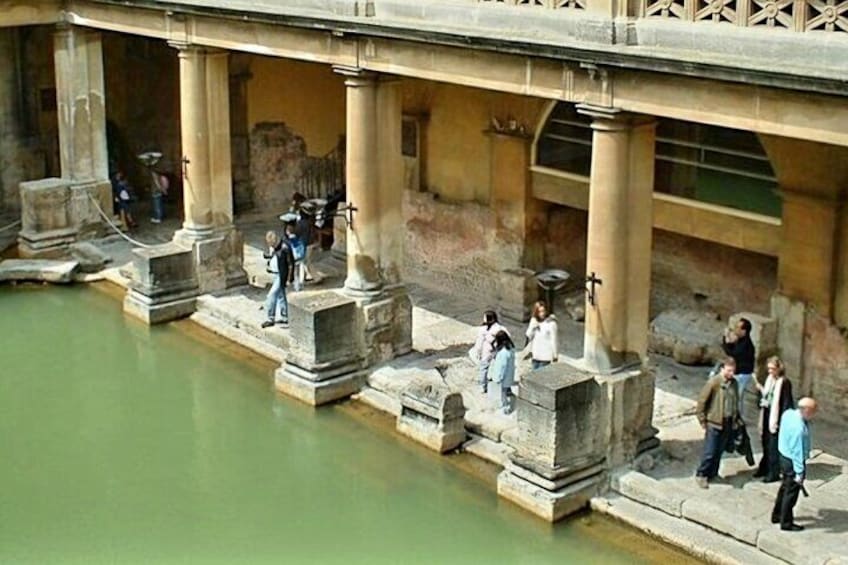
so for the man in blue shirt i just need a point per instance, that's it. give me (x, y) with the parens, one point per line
(793, 445)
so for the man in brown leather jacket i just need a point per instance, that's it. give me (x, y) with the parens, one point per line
(718, 413)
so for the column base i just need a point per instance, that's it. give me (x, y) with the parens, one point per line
(45, 245)
(387, 324)
(549, 500)
(317, 386)
(158, 311)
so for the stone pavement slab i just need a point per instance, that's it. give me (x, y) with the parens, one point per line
(38, 270)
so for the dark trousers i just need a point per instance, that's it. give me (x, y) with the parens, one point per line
(770, 462)
(715, 442)
(787, 496)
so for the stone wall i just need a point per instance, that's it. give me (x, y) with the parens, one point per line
(696, 274)
(687, 273)
(277, 157)
(22, 157)
(453, 243)
(826, 367)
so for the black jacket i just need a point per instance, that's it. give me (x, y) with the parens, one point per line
(742, 351)
(284, 257)
(741, 444)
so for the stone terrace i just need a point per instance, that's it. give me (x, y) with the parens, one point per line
(729, 523)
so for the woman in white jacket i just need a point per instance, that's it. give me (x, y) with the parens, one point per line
(543, 337)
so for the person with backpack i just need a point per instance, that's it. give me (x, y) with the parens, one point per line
(502, 369)
(298, 248)
(281, 265)
(484, 346)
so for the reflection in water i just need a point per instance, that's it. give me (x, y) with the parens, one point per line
(122, 443)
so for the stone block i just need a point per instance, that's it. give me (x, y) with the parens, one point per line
(625, 423)
(91, 258)
(741, 518)
(646, 490)
(163, 284)
(550, 505)
(294, 383)
(558, 413)
(432, 416)
(323, 326)
(37, 270)
(87, 200)
(691, 337)
(44, 205)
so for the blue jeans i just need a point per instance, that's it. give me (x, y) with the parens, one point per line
(158, 207)
(276, 304)
(715, 441)
(536, 365)
(483, 376)
(742, 381)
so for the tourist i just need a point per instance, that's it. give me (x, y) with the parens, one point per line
(718, 413)
(305, 232)
(298, 249)
(776, 398)
(502, 370)
(158, 191)
(794, 450)
(484, 347)
(737, 343)
(542, 337)
(281, 265)
(123, 200)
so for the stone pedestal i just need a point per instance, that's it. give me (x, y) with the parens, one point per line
(57, 212)
(163, 285)
(628, 409)
(324, 363)
(560, 457)
(386, 325)
(432, 416)
(166, 279)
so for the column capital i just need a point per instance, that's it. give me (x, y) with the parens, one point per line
(606, 118)
(356, 76)
(185, 48)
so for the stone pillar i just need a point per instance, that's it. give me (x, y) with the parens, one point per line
(807, 257)
(363, 190)
(80, 99)
(619, 239)
(390, 180)
(206, 254)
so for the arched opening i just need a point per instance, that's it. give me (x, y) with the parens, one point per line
(710, 164)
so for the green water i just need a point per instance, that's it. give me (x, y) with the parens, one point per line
(124, 444)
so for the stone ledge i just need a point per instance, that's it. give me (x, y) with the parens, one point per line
(238, 336)
(646, 490)
(698, 540)
(743, 525)
(36, 270)
(321, 392)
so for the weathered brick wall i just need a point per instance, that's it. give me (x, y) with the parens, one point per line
(826, 367)
(698, 274)
(453, 244)
(277, 157)
(686, 272)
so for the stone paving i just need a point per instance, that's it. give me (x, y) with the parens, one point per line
(727, 523)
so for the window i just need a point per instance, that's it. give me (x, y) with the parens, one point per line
(710, 164)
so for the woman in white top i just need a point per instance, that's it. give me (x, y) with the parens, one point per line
(543, 337)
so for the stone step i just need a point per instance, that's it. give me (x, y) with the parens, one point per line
(238, 317)
(700, 541)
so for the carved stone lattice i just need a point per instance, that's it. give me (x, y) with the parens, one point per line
(530, 2)
(772, 13)
(716, 11)
(572, 4)
(666, 9)
(827, 15)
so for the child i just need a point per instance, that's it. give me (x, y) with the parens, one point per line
(502, 369)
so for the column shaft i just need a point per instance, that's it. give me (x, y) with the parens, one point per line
(619, 240)
(363, 236)
(390, 162)
(78, 60)
(194, 130)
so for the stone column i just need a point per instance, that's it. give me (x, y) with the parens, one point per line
(80, 100)
(206, 254)
(619, 239)
(390, 180)
(84, 186)
(363, 191)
